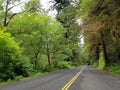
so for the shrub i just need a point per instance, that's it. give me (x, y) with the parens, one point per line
(11, 61)
(114, 68)
(63, 65)
(95, 64)
(49, 68)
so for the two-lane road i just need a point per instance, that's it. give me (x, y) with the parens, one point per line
(81, 78)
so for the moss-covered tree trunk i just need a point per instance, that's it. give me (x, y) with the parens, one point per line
(104, 50)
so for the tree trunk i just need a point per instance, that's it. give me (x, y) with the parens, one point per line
(48, 55)
(36, 60)
(6, 13)
(104, 51)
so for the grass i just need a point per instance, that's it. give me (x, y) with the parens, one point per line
(114, 69)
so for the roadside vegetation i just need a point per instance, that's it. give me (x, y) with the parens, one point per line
(114, 69)
(32, 43)
(102, 33)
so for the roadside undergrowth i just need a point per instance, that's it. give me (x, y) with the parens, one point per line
(114, 69)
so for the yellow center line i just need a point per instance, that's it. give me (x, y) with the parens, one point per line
(66, 87)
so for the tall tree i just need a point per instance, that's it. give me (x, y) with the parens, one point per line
(33, 6)
(7, 6)
(68, 16)
(97, 16)
(37, 35)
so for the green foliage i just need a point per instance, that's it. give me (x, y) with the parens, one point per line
(10, 58)
(64, 65)
(100, 31)
(23, 67)
(45, 45)
(1, 8)
(50, 68)
(101, 62)
(86, 7)
(30, 31)
(59, 65)
(114, 68)
(42, 38)
(84, 55)
(67, 15)
(41, 44)
(33, 6)
(95, 65)
(18, 78)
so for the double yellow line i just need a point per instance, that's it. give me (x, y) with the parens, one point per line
(66, 87)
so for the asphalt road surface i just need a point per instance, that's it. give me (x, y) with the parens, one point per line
(81, 78)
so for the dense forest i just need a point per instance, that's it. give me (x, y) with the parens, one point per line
(83, 32)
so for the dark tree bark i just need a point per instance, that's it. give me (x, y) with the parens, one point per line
(48, 55)
(104, 50)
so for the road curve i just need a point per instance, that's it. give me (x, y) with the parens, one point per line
(88, 79)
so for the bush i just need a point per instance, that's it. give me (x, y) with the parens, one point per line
(11, 62)
(114, 68)
(74, 64)
(23, 67)
(18, 78)
(95, 64)
(64, 65)
(49, 69)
